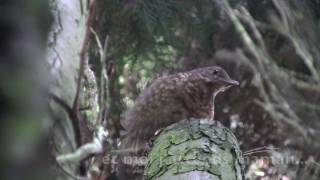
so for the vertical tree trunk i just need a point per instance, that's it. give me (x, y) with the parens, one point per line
(65, 42)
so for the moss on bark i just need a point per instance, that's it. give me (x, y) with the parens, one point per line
(195, 150)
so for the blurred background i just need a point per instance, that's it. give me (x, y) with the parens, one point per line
(71, 67)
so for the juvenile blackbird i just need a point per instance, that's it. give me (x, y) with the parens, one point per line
(171, 99)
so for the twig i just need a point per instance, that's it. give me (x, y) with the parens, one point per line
(264, 83)
(256, 152)
(103, 76)
(285, 29)
(72, 116)
(253, 27)
(84, 47)
(103, 91)
(104, 82)
(260, 148)
(269, 107)
(94, 147)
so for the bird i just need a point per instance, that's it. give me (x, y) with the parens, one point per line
(170, 99)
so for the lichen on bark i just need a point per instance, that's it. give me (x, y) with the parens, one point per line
(195, 150)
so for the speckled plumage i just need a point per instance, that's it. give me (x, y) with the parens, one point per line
(170, 99)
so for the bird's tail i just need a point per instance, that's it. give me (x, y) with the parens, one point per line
(132, 143)
(131, 160)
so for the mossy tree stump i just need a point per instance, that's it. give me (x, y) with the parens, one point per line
(196, 150)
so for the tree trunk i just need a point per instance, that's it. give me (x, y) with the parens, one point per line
(65, 40)
(195, 151)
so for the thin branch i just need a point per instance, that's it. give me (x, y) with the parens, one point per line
(269, 107)
(260, 148)
(83, 51)
(246, 15)
(94, 147)
(71, 114)
(256, 152)
(104, 79)
(103, 90)
(104, 82)
(285, 29)
(264, 83)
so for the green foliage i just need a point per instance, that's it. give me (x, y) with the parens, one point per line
(151, 30)
(148, 36)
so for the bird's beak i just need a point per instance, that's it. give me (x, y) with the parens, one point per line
(227, 84)
(232, 82)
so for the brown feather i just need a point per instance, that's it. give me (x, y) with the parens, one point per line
(168, 100)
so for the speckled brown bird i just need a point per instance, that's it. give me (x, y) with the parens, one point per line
(171, 99)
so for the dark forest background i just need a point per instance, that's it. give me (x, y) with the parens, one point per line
(94, 72)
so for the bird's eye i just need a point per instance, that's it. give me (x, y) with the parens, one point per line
(215, 72)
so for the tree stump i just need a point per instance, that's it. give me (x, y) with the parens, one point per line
(195, 150)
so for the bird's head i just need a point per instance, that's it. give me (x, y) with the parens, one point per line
(216, 78)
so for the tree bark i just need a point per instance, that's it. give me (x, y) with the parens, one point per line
(64, 45)
(195, 150)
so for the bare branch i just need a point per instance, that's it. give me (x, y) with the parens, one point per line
(273, 102)
(286, 29)
(84, 48)
(94, 147)
(72, 116)
(103, 90)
